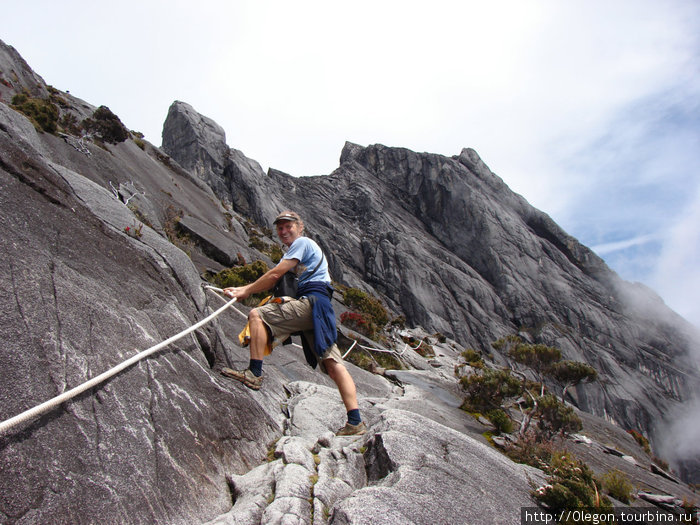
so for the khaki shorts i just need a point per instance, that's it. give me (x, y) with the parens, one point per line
(295, 315)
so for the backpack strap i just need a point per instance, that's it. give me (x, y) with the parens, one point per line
(323, 256)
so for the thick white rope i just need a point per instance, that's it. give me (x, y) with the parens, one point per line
(398, 353)
(351, 347)
(51, 403)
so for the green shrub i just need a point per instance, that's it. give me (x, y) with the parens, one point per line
(106, 126)
(472, 357)
(361, 323)
(42, 113)
(488, 389)
(365, 303)
(399, 322)
(368, 360)
(617, 484)
(570, 486)
(506, 343)
(571, 373)
(641, 440)
(538, 357)
(555, 417)
(275, 253)
(500, 420)
(254, 241)
(69, 123)
(530, 451)
(239, 275)
(425, 349)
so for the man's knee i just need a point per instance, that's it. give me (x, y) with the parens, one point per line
(335, 370)
(331, 370)
(254, 316)
(257, 325)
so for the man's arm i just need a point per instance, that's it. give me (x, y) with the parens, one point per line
(265, 282)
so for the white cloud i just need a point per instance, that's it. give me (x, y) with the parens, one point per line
(678, 271)
(610, 247)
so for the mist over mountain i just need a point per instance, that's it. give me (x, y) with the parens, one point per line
(105, 242)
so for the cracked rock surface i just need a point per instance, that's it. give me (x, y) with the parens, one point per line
(406, 469)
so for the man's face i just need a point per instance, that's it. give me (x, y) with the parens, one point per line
(288, 231)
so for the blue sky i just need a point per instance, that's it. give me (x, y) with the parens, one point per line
(589, 109)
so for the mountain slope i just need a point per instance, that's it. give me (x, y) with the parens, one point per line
(446, 243)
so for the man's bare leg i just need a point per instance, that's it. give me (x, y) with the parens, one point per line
(346, 386)
(252, 376)
(258, 335)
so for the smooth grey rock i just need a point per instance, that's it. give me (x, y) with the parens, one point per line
(221, 246)
(423, 472)
(196, 142)
(340, 472)
(294, 481)
(296, 450)
(288, 511)
(78, 297)
(252, 493)
(314, 409)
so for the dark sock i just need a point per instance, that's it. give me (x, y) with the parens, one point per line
(354, 416)
(256, 367)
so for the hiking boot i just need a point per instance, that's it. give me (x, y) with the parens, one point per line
(352, 430)
(246, 377)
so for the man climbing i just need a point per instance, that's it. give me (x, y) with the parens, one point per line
(312, 314)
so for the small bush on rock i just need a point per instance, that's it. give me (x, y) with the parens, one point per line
(555, 417)
(365, 303)
(501, 421)
(106, 125)
(239, 275)
(617, 484)
(399, 322)
(371, 360)
(473, 358)
(641, 440)
(570, 486)
(42, 113)
(530, 451)
(487, 390)
(361, 323)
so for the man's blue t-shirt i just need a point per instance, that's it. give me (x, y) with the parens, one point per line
(308, 253)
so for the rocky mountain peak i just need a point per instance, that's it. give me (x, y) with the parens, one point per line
(196, 142)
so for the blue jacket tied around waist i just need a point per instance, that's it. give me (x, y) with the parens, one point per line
(325, 332)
